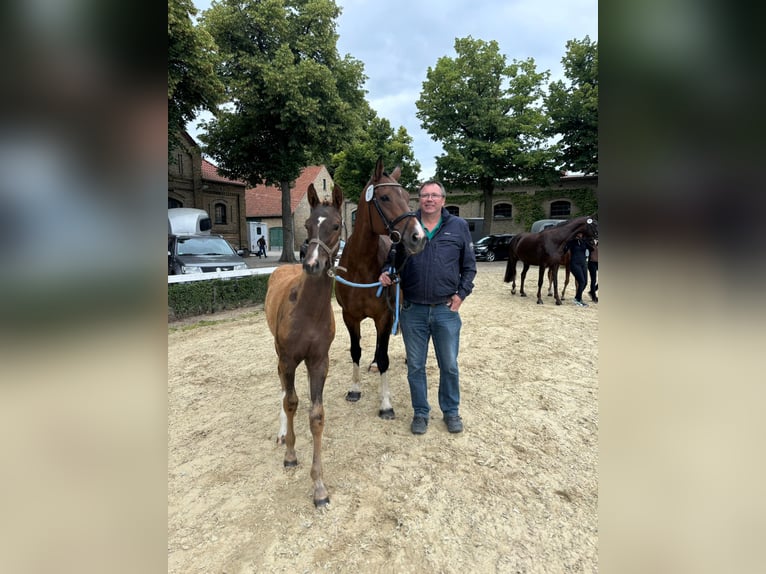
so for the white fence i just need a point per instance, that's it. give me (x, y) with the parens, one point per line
(219, 275)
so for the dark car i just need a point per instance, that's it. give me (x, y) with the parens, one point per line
(492, 247)
(202, 254)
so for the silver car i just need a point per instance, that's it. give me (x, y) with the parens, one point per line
(202, 254)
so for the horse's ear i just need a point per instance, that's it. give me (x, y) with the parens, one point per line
(337, 196)
(396, 173)
(313, 197)
(378, 173)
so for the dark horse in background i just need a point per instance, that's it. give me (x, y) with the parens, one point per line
(545, 249)
(299, 313)
(382, 218)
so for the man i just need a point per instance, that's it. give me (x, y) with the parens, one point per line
(434, 284)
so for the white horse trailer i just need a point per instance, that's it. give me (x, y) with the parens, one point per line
(256, 230)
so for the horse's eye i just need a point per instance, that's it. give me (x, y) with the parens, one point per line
(385, 198)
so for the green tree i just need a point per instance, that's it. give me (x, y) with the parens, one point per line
(573, 108)
(292, 97)
(353, 165)
(488, 117)
(193, 85)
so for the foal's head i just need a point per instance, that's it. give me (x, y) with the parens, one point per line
(323, 229)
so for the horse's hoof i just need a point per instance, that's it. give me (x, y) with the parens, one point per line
(558, 302)
(322, 502)
(522, 294)
(291, 463)
(353, 396)
(387, 414)
(539, 301)
(373, 368)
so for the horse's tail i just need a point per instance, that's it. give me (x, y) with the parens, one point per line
(510, 267)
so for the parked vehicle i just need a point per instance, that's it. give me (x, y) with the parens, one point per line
(188, 221)
(542, 224)
(202, 254)
(492, 247)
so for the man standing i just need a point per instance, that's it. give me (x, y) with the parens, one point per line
(434, 284)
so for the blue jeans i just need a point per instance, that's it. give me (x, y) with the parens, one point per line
(419, 324)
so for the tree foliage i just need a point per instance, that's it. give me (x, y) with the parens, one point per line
(291, 96)
(489, 118)
(574, 107)
(193, 85)
(353, 165)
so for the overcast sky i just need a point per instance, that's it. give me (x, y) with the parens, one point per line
(398, 40)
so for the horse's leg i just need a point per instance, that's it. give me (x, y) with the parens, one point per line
(566, 281)
(523, 277)
(317, 376)
(550, 282)
(282, 421)
(540, 280)
(354, 332)
(555, 269)
(289, 406)
(383, 327)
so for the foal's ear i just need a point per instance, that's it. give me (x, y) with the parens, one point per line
(337, 196)
(313, 197)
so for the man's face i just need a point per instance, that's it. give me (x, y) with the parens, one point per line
(431, 200)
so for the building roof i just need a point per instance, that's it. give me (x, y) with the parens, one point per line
(210, 173)
(266, 200)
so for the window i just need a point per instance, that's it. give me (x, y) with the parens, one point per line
(453, 209)
(173, 203)
(220, 214)
(560, 209)
(503, 211)
(180, 161)
(324, 184)
(353, 219)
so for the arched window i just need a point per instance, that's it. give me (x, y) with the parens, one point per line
(560, 209)
(453, 209)
(173, 203)
(353, 219)
(220, 214)
(502, 211)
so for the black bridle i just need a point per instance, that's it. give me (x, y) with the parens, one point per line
(393, 233)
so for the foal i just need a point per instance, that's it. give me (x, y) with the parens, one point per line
(300, 316)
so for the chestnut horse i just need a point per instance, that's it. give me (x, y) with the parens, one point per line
(383, 217)
(545, 249)
(299, 313)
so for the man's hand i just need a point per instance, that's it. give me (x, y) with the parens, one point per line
(455, 302)
(385, 280)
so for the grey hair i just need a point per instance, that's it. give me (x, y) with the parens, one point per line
(433, 182)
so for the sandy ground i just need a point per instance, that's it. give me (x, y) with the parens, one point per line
(516, 492)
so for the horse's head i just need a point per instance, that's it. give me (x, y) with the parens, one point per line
(389, 208)
(323, 229)
(591, 227)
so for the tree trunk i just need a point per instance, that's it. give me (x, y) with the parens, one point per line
(288, 235)
(488, 190)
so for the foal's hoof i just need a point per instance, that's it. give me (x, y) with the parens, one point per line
(353, 396)
(291, 463)
(373, 368)
(386, 414)
(522, 294)
(558, 302)
(323, 502)
(539, 301)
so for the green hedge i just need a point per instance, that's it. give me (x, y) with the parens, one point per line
(209, 296)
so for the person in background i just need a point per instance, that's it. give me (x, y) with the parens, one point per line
(261, 247)
(434, 285)
(578, 246)
(593, 271)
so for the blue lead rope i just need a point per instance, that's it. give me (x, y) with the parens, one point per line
(379, 285)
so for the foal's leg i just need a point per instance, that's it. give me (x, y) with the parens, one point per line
(555, 269)
(317, 377)
(289, 406)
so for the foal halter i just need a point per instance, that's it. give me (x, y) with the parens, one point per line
(393, 233)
